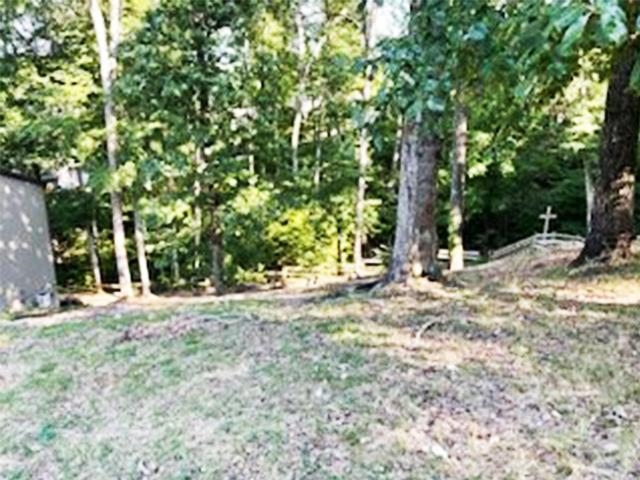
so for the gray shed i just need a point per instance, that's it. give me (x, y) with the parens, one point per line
(27, 274)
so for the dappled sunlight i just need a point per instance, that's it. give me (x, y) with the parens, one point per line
(605, 291)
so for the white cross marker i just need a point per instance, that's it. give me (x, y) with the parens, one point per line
(547, 217)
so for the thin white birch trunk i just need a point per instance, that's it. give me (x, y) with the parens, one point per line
(141, 249)
(92, 234)
(107, 51)
(300, 51)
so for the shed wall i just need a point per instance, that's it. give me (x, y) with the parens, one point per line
(26, 257)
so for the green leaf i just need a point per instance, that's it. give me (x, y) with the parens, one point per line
(613, 22)
(574, 33)
(477, 32)
(567, 16)
(435, 104)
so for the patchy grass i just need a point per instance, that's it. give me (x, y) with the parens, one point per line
(517, 379)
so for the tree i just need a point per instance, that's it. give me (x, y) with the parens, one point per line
(92, 239)
(141, 250)
(108, 56)
(412, 64)
(612, 220)
(300, 48)
(571, 30)
(196, 73)
(363, 137)
(458, 173)
(429, 149)
(45, 82)
(404, 253)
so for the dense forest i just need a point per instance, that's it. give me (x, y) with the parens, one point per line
(215, 141)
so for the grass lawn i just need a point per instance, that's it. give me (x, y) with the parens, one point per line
(532, 378)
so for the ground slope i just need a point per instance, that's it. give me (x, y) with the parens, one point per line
(527, 378)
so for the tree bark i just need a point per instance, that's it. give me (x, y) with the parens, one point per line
(141, 249)
(92, 235)
(405, 247)
(429, 148)
(317, 169)
(612, 223)
(175, 266)
(415, 249)
(458, 173)
(217, 254)
(397, 150)
(295, 136)
(107, 51)
(363, 145)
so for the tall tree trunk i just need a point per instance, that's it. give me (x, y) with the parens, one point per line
(141, 249)
(300, 51)
(197, 209)
(589, 191)
(340, 252)
(458, 173)
(217, 253)
(359, 228)
(397, 150)
(200, 136)
(107, 51)
(175, 266)
(405, 247)
(92, 235)
(415, 250)
(429, 147)
(295, 136)
(612, 225)
(363, 144)
(92, 239)
(317, 168)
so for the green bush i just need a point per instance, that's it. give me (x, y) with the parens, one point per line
(303, 236)
(262, 233)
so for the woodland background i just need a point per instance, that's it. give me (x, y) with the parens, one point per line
(247, 136)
